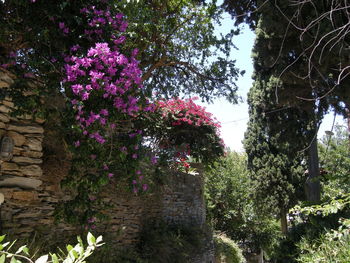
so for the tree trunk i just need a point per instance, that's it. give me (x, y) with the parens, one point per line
(348, 117)
(284, 224)
(261, 256)
(313, 187)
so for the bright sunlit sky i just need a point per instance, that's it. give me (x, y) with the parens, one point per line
(234, 118)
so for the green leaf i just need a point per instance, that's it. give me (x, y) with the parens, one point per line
(75, 253)
(26, 250)
(91, 239)
(69, 248)
(2, 258)
(21, 249)
(2, 238)
(54, 258)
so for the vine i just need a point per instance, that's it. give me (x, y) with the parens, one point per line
(79, 52)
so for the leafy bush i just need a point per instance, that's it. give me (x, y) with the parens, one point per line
(227, 251)
(310, 226)
(334, 246)
(76, 254)
(230, 208)
(170, 243)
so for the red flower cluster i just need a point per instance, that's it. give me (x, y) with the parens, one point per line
(186, 111)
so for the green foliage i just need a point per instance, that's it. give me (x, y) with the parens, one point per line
(176, 49)
(76, 254)
(305, 47)
(227, 251)
(335, 163)
(334, 245)
(325, 250)
(311, 227)
(231, 209)
(161, 242)
(278, 129)
(180, 53)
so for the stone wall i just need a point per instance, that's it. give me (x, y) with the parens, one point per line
(30, 184)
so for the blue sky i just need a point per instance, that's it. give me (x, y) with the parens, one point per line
(234, 118)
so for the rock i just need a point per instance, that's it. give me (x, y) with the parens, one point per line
(5, 77)
(3, 84)
(14, 172)
(32, 154)
(4, 109)
(25, 128)
(19, 181)
(27, 215)
(4, 118)
(34, 144)
(25, 196)
(8, 103)
(6, 166)
(39, 120)
(32, 170)
(25, 117)
(18, 139)
(17, 150)
(26, 160)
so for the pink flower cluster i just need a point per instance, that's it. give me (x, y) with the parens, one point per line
(105, 88)
(186, 111)
(99, 19)
(138, 185)
(103, 73)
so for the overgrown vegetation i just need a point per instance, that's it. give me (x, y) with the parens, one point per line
(227, 251)
(316, 233)
(160, 242)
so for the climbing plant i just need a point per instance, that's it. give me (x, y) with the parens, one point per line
(77, 66)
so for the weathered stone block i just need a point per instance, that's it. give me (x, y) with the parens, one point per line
(4, 109)
(3, 84)
(25, 128)
(6, 77)
(19, 181)
(18, 139)
(26, 160)
(32, 170)
(34, 144)
(25, 196)
(4, 118)
(8, 103)
(32, 154)
(7, 166)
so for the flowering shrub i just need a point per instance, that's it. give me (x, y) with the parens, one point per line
(78, 51)
(185, 129)
(104, 88)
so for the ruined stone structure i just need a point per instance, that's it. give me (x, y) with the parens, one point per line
(30, 185)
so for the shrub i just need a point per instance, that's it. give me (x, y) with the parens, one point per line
(161, 242)
(227, 251)
(334, 246)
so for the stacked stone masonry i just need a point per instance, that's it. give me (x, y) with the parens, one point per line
(30, 184)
